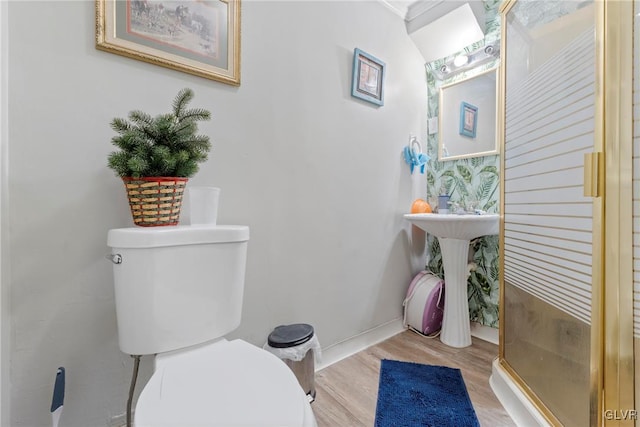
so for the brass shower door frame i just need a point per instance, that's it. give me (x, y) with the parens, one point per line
(608, 179)
(615, 308)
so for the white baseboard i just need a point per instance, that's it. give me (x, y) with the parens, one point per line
(517, 405)
(351, 346)
(483, 332)
(336, 352)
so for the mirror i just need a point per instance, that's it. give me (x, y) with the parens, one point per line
(467, 124)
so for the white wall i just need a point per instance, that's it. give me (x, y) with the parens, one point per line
(5, 307)
(315, 173)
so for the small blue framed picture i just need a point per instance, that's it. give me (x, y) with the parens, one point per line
(368, 77)
(468, 119)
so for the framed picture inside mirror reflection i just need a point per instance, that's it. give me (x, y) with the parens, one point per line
(368, 77)
(468, 119)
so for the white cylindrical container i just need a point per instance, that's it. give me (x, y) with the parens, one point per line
(203, 204)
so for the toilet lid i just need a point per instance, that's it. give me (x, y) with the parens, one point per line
(228, 383)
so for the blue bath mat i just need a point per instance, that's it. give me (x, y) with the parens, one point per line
(415, 395)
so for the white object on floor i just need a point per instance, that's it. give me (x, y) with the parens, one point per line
(454, 233)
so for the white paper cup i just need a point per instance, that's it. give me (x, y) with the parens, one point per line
(203, 203)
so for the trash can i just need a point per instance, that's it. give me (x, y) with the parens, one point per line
(296, 345)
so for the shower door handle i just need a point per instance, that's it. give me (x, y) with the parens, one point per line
(592, 171)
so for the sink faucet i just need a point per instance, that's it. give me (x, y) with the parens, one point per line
(456, 208)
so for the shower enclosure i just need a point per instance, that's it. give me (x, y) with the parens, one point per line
(566, 336)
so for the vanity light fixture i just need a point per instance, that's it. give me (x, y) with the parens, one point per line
(467, 61)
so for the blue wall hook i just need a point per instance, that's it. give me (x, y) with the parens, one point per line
(414, 156)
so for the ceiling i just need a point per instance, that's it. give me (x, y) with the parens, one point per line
(441, 27)
(430, 10)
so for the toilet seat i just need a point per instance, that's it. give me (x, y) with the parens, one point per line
(226, 384)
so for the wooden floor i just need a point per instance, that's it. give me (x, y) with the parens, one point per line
(346, 392)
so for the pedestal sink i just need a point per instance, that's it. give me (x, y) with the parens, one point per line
(454, 232)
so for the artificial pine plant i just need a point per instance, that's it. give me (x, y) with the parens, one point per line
(165, 145)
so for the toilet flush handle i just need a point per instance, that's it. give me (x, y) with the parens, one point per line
(114, 258)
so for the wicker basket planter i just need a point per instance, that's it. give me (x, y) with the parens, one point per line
(155, 201)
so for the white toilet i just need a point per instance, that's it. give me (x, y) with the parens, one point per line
(178, 291)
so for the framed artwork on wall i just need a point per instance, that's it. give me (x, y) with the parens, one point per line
(368, 77)
(196, 37)
(468, 119)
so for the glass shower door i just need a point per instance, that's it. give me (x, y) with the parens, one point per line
(549, 84)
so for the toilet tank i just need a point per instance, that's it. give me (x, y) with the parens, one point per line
(177, 286)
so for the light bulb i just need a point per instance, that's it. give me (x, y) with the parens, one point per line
(460, 60)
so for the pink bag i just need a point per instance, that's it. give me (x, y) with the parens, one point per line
(424, 304)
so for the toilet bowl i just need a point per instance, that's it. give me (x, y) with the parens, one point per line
(226, 383)
(178, 291)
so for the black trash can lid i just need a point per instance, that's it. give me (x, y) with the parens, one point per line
(285, 336)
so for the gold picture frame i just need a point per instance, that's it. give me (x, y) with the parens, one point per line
(195, 37)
